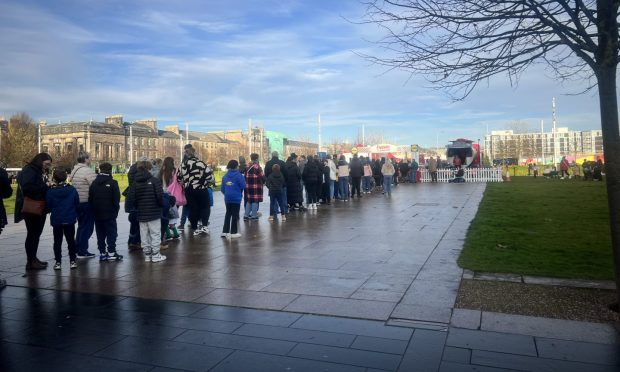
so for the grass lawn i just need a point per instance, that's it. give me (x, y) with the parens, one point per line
(9, 203)
(556, 228)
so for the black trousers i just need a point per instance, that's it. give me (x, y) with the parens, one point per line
(134, 229)
(356, 185)
(107, 232)
(311, 189)
(69, 232)
(200, 208)
(34, 228)
(231, 218)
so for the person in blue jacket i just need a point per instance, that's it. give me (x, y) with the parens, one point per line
(62, 201)
(233, 184)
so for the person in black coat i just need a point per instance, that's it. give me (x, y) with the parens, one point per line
(5, 192)
(295, 198)
(326, 190)
(133, 241)
(356, 171)
(268, 169)
(104, 198)
(33, 184)
(311, 177)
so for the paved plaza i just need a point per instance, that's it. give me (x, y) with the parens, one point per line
(363, 285)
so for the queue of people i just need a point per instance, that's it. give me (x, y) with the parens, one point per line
(161, 196)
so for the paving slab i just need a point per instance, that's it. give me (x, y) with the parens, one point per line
(491, 341)
(466, 318)
(531, 363)
(342, 307)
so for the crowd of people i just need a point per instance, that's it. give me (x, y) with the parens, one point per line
(161, 197)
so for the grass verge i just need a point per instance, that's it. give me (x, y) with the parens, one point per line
(542, 227)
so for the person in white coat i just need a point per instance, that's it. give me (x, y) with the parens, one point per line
(82, 176)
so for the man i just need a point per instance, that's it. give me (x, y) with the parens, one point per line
(276, 160)
(197, 179)
(333, 174)
(356, 171)
(82, 176)
(432, 168)
(134, 242)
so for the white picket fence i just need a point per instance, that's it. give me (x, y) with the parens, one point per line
(471, 175)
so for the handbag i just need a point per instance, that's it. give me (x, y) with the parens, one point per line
(33, 207)
(175, 189)
(210, 196)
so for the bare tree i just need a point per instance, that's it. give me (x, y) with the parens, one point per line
(18, 148)
(456, 44)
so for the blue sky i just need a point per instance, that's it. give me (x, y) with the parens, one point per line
(215, 64)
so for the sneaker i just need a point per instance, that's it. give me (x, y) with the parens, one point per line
(103, 257)
(114, 256)
(147, 258)
(246, 218)
(233, 236)
(206, 230)
(223, 235)
(271, 218)
(283, 218)
(86, 255)
(158, 258)
(181, 227)
(73, 265)
(57, 265)
(198, 231)
(258, 214)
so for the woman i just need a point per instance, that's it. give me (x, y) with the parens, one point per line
(294, 191)
(33, 184)
(254, 180)
(311, 176)
(388, 173)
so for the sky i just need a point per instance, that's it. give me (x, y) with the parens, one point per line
(215, 65)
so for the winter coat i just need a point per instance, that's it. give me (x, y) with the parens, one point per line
(367, 170)
(147, 193)
(414, 166)
(196, 174)
(131, 174)
(32, 184)
(343, 168)
(333, 169)
(388, 169)
(376, 169)
(294, 190)
(104, 197)
(62, 202)
(326, 174)
(404, 168)
(275, 183)
(564, 165)
(254, 180)
(432, 165)
(312, 174)
(81, 178)
(233, 184)
(5, 192)
(355, 167)
(270, 164)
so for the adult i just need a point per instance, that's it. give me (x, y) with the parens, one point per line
(134, 242)
(376, 173)
(311, 177)
(333, 175)
(388, 172)
(413, 175)
(254, 181)
(197, 179)
(356, 171)
(404, 171)
(82, 176)
(367, 176)
(336, 194)
(295, 197)
(564, 165)
(268, 169)
(432, 169)
(33, 184)
(5, 192)
(343, 178)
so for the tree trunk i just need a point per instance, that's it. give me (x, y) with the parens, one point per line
(607, 63)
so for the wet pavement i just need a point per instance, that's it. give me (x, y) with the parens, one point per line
(363, 285)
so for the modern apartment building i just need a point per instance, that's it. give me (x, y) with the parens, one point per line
(542, 147)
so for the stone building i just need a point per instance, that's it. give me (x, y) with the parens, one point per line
(300, 148)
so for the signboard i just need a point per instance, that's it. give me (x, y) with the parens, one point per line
(354, 150)
(414, 148)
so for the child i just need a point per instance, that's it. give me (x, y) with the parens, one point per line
(147, 194)
(62, 201)
(275, 182)
(233, 184)
(104, 198)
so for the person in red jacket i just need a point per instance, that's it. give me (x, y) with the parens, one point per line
(564, 167)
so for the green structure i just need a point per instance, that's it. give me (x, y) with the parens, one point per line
(275, 141)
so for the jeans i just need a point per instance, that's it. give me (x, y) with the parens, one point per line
(336, 187)
(34, 228)
(366, 183)
(331, 190)
(106, 235)
(387, 184)
(231, 218)
(151, 236)
(412, 176)
(134, 229)
(434, 176)
(251, 210)
(86, 226)
(200, 207)
(184, 215)
(284, 198)
(69, 232)
(276, 201)
(343, 184)
(356, 185)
